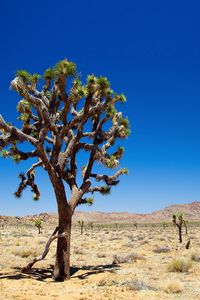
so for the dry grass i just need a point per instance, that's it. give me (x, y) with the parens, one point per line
(173, 287)
(180, 264)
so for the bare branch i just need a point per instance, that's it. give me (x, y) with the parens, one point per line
(109, 180)
(46, 250)
(15, 133)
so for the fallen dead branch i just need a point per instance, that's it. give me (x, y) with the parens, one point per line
(46, 250)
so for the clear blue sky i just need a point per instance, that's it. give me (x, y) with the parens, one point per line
(150, 50)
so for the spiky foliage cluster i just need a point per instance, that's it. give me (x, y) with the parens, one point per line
(38, 224)
(54, 121)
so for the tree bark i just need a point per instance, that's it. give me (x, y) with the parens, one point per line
(186, 229)
(62, 264)
(180, 234)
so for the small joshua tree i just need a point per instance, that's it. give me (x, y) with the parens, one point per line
(81, 224)
(186, 223)
(62, 117)
(38, 224)
(178, 220)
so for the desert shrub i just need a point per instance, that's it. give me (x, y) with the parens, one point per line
(144, 242)
(129, 245)
(120, 259)
(195, 256)
(78, 251)
(173, 287)
(140, 238)
(104, 282)
(17, 243)
(136, 285)
(161, 249)
(101, 255)
(181, 264)
(162, 239)
(24, 253)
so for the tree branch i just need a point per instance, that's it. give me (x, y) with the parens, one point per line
(46, 250)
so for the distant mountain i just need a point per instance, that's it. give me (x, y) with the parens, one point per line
(191, 211)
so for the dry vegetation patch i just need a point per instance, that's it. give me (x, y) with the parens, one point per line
(180, 264)
(161, 249)
(173, 287)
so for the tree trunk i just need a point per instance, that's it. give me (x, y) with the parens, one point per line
(65, 212)
(81, 229)
(180, 234)
(62, 264)
(186, 229)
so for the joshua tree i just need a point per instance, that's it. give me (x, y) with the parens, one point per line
(135, 224)
(81, 224)
(178, 220)
(38, 224)
(60, 118)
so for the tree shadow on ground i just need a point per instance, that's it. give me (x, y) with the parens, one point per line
(91, 270)
(34, 273)
(42, 274)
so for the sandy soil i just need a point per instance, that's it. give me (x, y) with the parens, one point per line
(138, 271)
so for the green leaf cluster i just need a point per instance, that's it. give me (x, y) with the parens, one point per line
(38, 223)
(111, 162)
(90, 201)
(111, 111)
(26, 77)
(105, 190)
(16, 158)
(36, 197)
(23, 106)
(63, 67)
(4, 153)
(24, 117)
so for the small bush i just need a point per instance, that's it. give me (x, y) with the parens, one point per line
(24, 253)
(179, 265)
(101, 255)
(161, 249)
(78, 251)
(173, 287)
(120, 259)
(136, 285)
(104, 282)
(195, 257)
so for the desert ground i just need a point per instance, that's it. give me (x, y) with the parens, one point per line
(109, 261)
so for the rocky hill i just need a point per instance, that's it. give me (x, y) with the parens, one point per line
(191, 211)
